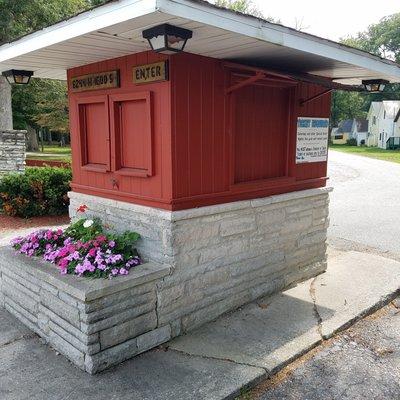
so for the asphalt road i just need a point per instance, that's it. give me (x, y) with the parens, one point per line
(365, 202)
(360, 364)
(363, 362)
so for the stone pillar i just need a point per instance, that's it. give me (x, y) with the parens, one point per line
(12, 151)
(6, 121)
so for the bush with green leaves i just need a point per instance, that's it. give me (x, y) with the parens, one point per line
(37, 191)
(352, 142)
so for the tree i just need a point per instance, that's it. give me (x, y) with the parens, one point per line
(348, 105)
(245, 7)
(24, 16)
(19, 18)
(382, 39)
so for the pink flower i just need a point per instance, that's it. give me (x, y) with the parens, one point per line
(92, 252)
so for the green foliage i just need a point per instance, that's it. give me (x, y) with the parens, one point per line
(245, 7)
(78, 231)
(382, 39)
(348, 105)
(43, 103)
(351, 142)
(21, 17)
(38, 191)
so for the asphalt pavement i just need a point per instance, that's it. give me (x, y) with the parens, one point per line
(364, 361)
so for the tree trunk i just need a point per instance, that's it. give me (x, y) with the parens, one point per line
(32, 141)
(5, 104)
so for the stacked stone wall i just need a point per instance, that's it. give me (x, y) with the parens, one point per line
(223, 256)
(12, 151)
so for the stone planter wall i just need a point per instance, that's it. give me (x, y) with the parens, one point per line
(12, 151)
(95, 323)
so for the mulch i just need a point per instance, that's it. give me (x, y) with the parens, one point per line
(11, 224)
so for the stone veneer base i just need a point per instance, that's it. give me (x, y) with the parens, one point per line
(95, 323)
(200, 263)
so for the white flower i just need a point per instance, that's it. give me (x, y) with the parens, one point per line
(88, 223)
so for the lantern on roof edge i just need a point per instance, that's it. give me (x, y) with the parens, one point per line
(374, 85)
(20, 77)
(167, 39)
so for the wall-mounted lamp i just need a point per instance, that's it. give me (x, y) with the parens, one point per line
(374, 85)
(18, 76)
(167, 39)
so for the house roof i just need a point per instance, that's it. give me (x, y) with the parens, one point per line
(345, 126)
(375, 106)
(361, 125)
(391, 107)
(115, 29)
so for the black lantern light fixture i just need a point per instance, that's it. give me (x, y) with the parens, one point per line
(167, 39)
(374, 85)
(20, 77)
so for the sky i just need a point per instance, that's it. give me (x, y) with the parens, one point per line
(333, 19)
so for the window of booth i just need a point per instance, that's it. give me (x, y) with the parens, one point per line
(115, 133)
(260, 127)
(94, 133)
(131, 127)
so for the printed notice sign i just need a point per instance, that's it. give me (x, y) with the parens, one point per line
(312, 139)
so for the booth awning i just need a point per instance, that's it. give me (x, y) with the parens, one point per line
(115, 29)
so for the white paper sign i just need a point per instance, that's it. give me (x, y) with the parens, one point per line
(312, 139)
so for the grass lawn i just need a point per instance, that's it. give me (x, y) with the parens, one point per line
(57, 149)
(56, 153)
(372, 152)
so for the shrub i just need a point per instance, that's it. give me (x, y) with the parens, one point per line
(352, 142)
(83, 249)
(37, 191)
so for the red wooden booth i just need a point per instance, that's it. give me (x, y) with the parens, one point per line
(207, 132)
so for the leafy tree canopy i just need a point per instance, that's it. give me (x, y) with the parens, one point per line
(382, 39)
(24, 16)
(245, 7)
(43, 103)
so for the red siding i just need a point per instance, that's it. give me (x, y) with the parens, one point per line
(186, 143)
(222, 154)
(260, 129)
(155, 190)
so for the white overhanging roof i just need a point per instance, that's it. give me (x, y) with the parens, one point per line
(115, 29)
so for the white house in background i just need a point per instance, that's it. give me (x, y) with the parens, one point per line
(360, 131)
(356, 128)
(373, 126)
(397, 130)
(386, 117)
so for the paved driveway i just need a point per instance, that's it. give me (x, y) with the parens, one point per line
(363, 362)
(365, 203)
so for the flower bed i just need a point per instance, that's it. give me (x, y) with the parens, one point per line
(83, 249)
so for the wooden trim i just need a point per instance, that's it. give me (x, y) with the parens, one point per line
(315, 97)
(81, 120)
(202, 200)
(115, 126)
(262, 184)
(246, 82)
